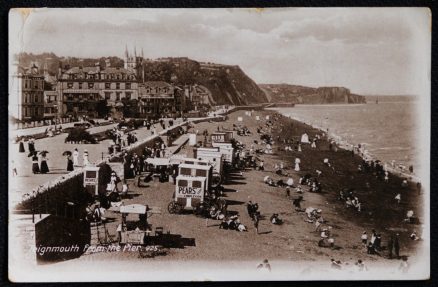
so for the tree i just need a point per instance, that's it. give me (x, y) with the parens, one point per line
(102, 108)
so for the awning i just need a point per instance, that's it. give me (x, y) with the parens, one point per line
(158, 161)
(133, 208)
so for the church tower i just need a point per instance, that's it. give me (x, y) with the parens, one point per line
(134, 62)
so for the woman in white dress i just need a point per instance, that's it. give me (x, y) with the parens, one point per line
(85, 157)
(297, 164)
(76, 157)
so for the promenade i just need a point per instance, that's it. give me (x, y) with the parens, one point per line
(26, 181)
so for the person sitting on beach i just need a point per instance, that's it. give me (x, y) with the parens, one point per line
(398, 198)
(275, 219)
(318, 172)
(360, 266)
(261, 165)
(318, 223)
(356, 203)
(269, 181)
(371, 250)
(410, 216)
(349, 202)
(364, 238)
(414, 236)
(241, 227)
(341, 195)
(297, 203)
(280, 183)
(336, 264)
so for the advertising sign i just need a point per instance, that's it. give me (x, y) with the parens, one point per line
(218, 137)
(189, 192)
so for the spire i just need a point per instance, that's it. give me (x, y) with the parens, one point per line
(126, 51)
(135, 51)
(142, 55)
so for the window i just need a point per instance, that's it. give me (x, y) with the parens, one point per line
(118, 96)
(129, 95)
(186, 171)
(80, 85)
(70, 85)
(182, 182)
(196, 184)
(80, 97)
(107, 95)
(128, 86)
(25, 98)
(90, 85)
(107, 85)
(117, 86)
(200, 172)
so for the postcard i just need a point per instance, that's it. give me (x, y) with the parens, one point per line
(219, 144)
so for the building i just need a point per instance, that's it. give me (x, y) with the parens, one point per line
(158, 98)
(26, 94)
(95, 91)
(51, 105)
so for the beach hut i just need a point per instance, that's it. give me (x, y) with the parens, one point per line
(304, 138)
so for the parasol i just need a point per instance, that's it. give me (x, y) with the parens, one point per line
(67, 152)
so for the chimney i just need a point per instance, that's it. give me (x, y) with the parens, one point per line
(107, 63)
(97, 65)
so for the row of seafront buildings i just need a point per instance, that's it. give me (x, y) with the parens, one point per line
(99, 91)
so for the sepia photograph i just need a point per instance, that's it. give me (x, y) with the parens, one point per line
(219, 144)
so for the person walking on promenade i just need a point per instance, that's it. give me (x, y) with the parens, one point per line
(44, 167)
(21, 146)
(35, 165)
(69, 163)
(76, 157)
(14, 169)
(85, 158)
(31, 145)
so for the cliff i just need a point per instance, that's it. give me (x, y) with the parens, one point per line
(227, 84)
(278, 93)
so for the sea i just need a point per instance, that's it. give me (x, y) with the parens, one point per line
(387, 129)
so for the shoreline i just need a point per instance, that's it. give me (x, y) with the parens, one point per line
(344, 144)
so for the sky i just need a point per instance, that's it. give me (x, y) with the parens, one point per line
(384, 51)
